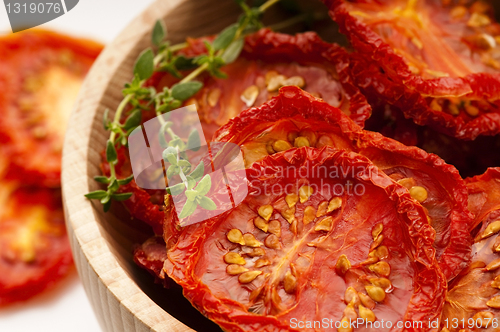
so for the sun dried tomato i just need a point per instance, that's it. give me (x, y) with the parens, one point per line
(470, 158)
(150, 256)
(268, 58)
(473, 299)
(34, 249)
(295, 118)
(304, 247)
(268, 61)
(145, 204)
(438, 61)
(40, 76)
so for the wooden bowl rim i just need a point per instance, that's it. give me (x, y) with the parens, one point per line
(110, 289)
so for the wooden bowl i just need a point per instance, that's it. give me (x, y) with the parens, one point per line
(124, 297)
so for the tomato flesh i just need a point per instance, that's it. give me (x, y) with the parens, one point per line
(307, 262)
(437, 61)
(295, 114)
(41, 76)
(473, 300)
(35, 251)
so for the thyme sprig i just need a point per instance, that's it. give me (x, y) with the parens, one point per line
(224, 49)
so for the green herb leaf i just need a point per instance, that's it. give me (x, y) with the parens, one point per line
(225, 37)
(170, 154)
(175, 104)
(111, 155)
(172, 171)
(177, 142)
(159, 32)
(198, 171)
(121, 197)
(133, 120)
(183, 63)
(204, 185)
(188, 209)
(207, 203)
(191, 182)
(176, 189)
(144, 65)
(105, 120)
(193, 142)
(192, 194)
(113, 186)
(98, 194)
(106, 206)
(233, 51)
(106, 199)
(101, 179)
(126, 180)
(184, 91)
(185, 165)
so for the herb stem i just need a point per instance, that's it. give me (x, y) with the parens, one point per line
(116, 119)
(194, 73)
(289, 22)
(178, 47)
(267, 4)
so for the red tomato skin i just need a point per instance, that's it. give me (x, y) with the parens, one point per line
(378, 69)
(453, 245)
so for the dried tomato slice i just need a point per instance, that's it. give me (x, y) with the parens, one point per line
(299, 249)
(470, 158)
(40, 76)
(484, 197)
(473, 299)
(297, 118)
(436, 60)
(270, 60)
(145, 204)
(34, 249)
(151, 256)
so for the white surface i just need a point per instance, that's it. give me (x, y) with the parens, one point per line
(66, 308)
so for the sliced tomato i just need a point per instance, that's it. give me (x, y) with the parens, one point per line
(34, 249)
(40, 76)
(150, 256)
(297, 118)
(302, 247)
(473, 300)
(145, 205)
(484, 197)
(470, 158)
(270, 60)
(436, 60)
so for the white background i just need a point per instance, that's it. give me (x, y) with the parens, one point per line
(66, 308)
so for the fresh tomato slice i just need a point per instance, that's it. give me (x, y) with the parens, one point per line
(295, 118)
(302, 247)
(40, 76)
(438, 61)
(34, 249)
(473, 300)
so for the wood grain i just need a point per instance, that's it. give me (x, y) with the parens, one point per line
(102, 242)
